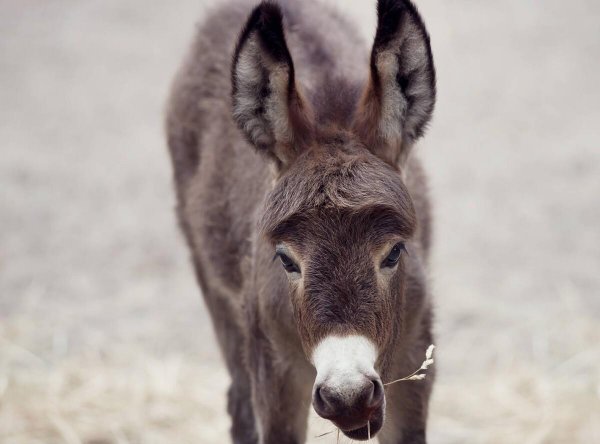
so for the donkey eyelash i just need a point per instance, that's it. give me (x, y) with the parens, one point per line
(393, 257)
(288, 264)
(278, 254)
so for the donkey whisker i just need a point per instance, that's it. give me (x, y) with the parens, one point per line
(325, 434)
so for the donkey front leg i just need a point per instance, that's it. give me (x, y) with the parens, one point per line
(239, 407)
(231, 340)
(281, 393)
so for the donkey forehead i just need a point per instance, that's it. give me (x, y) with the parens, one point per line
(336, 189)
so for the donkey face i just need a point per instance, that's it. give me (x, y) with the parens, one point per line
(339, 216)
(340, 220)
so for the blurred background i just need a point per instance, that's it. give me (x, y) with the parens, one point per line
(103, 334)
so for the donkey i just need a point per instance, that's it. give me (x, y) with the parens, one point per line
(307, 220)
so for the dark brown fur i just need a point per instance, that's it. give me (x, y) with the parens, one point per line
(335, 192)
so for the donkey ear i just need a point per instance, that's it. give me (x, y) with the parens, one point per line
(399, 99)
(267, 105)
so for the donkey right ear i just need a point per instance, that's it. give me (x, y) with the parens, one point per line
(399, 99)
(267, 105)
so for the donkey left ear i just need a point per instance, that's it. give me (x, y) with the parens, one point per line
(267, 104)
(399, 99)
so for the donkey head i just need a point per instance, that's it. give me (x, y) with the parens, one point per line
(339, 216)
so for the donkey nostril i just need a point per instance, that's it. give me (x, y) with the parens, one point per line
(377, 395)
(318, 396)
(323, 406)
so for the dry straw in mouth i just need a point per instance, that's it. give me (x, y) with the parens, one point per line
(414, 376)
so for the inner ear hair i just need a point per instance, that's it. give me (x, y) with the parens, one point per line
(398, 102)
(267, 105)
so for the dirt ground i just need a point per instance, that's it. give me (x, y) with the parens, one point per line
(103, 335)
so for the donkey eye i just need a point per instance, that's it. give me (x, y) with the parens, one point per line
(288, 264)
(394, 255)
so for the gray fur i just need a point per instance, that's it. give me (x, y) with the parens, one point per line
(234, 205)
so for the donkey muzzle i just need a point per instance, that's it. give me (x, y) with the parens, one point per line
(348, 390)
(350, 406)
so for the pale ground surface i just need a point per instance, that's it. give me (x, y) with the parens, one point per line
(103, 338)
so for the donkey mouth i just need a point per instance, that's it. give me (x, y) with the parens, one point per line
(369, 430)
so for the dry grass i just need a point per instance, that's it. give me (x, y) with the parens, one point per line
(102, 336)
(121, 396)
(126, 395)
(550, 396)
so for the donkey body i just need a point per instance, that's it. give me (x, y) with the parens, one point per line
(286, 141)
